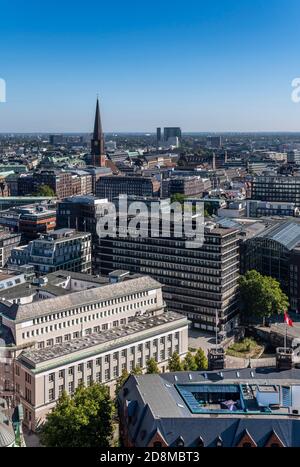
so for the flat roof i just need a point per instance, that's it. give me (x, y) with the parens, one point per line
(139, 324)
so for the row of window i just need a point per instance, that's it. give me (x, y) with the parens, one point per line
(85, 319)
(95, 306)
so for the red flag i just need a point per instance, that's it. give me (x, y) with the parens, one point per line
(288, 320)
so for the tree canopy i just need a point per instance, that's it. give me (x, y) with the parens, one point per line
(82, 420)
(175, 362)
(201, 360)
(45, 190)
(189, 363)
(152, 366)
(261, 296)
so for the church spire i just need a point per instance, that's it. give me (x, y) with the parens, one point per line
(97, 143)
(97, 126)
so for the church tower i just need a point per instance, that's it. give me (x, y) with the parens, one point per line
(97, 143)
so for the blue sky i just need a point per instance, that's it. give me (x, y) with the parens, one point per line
(222, 65)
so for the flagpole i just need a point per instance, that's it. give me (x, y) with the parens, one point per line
(285, 345)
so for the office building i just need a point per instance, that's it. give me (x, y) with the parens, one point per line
(70, 329)
(60, 249)
(187, 186)
(268, 208)
(82, 213)
(56, 140)
(110, 187)
(199, 282)
(172, 132)
(277, 188)
(36, 220)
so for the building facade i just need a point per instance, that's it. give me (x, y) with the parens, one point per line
(89, 331)
(110, 187)
(60, 249)
(277, 188)
(200, 283)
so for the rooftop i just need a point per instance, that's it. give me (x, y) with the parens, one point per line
(286, 233)
(139, 324)
(206, 406)
(76, 299)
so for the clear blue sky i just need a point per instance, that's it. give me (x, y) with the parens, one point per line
(205, 65)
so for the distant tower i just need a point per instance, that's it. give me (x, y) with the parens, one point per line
(158, 136)
(214, 161)
(97, 143)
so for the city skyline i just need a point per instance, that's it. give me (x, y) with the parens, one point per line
(224, 67)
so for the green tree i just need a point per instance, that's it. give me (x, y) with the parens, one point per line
(152, 366)
(174, 363)
(189, 363)
(45, 190)
(136, 371)
(201, 360)
(261, 296)
(83, 420)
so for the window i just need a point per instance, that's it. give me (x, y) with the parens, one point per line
(61, 373)
(106, 375)
(28, 378)
(106, 358)
(71, 371)
(51, 377)
(51, 394)
(71, 387)
(60, 390)
(89, 380)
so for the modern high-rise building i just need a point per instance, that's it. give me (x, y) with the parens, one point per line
(97, 143)
(158, 135)
(172, 132)
(201, 283)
